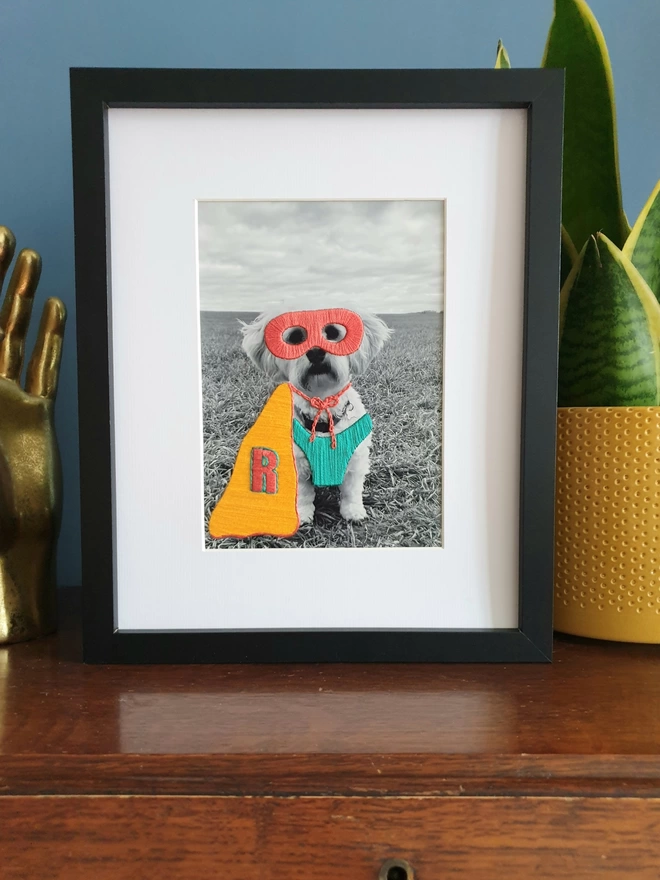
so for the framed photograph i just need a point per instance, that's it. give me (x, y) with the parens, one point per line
(317, 320)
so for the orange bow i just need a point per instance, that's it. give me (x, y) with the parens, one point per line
(323, 405)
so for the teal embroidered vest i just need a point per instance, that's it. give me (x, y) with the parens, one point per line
(329, 465)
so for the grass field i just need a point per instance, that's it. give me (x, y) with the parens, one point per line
(402, 393)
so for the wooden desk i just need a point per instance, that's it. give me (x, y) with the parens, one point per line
(315, 772)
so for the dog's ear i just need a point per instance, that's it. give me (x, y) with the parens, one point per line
(376, 334)
(255, 347)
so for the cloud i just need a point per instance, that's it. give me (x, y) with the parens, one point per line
(385, 256)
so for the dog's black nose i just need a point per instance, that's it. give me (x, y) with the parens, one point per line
(316, 355)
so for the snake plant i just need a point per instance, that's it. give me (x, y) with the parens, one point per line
(643, 244)
(610, 340)
(502, 60)
(609, 353)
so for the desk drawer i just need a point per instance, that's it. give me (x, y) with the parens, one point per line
(195, 838)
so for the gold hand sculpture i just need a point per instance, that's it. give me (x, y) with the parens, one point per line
(30, 477)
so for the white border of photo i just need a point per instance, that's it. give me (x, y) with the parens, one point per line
(161, 161)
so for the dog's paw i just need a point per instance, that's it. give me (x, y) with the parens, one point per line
(353, 511)
(306, 514)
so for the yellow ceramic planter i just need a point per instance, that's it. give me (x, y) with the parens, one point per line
(607, 546)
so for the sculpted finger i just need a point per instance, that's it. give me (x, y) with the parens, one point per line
(44, 367)
(15, 313)
(7, 247)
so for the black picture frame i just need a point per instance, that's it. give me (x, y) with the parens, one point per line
(540, 93)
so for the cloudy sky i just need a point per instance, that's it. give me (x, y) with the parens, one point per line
(382, 256)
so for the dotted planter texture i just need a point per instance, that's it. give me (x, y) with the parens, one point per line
(607, 544)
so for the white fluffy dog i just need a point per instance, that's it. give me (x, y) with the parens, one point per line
(319, 374)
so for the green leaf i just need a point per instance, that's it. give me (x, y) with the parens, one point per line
(643, 245)
(567, 286)
(569, 255)
(609, 353)
(591, 199)
(502, 60)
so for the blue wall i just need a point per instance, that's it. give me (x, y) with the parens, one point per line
(41, 39)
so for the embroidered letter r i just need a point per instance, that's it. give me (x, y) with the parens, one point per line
(263, 473)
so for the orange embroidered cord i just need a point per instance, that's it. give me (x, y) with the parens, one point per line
(323, 406)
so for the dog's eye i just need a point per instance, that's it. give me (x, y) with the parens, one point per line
(334, 332)
(295, 335)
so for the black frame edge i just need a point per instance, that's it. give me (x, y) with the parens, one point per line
(541, 344)
(541, 93)
(95, 455)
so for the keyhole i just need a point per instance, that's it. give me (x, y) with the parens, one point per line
(396, 869)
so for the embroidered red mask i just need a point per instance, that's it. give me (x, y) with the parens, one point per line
(337, 331)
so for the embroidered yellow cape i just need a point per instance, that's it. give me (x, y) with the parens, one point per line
(260, 498)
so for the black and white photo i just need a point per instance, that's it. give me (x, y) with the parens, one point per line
(368, 463)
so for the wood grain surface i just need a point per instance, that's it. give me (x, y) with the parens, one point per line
(587, 724)
(134, 838)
